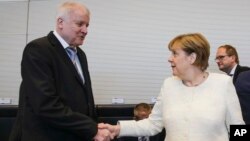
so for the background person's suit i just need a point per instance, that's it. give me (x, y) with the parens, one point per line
(243, 91)
(54, 103)
(238, 70)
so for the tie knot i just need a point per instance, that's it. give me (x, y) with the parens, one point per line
(71, 49)
(71, 52)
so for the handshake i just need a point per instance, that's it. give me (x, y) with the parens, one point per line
(107, 132)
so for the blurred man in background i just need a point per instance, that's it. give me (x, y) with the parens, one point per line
(227, 60)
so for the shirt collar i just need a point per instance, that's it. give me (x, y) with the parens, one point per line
(61, 40)
(233, 70)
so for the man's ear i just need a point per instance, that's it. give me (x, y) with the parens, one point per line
(59, 22)
(234, 58)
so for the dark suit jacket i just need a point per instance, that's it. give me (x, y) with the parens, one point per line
(54, 104)
(158, 137)
(242, 86)
(238, 70)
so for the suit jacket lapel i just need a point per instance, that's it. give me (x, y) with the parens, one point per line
(84, 67)
(236, 73)
(61, 51)
(87, 85)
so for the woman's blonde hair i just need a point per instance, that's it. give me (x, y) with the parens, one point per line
(194, 43)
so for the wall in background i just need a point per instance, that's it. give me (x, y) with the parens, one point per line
(127, 41)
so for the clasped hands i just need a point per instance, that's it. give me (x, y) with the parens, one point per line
(107, 132)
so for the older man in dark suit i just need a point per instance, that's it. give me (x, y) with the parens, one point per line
(242, 86)
(56, 101)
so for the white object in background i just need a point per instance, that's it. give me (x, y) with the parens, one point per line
(117, 100)
(153, 99)
(5, 100)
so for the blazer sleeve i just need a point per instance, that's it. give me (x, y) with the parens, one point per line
(146, 127)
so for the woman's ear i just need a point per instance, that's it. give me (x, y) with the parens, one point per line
(192, 57)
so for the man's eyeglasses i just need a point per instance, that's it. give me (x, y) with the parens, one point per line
(219, 58)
